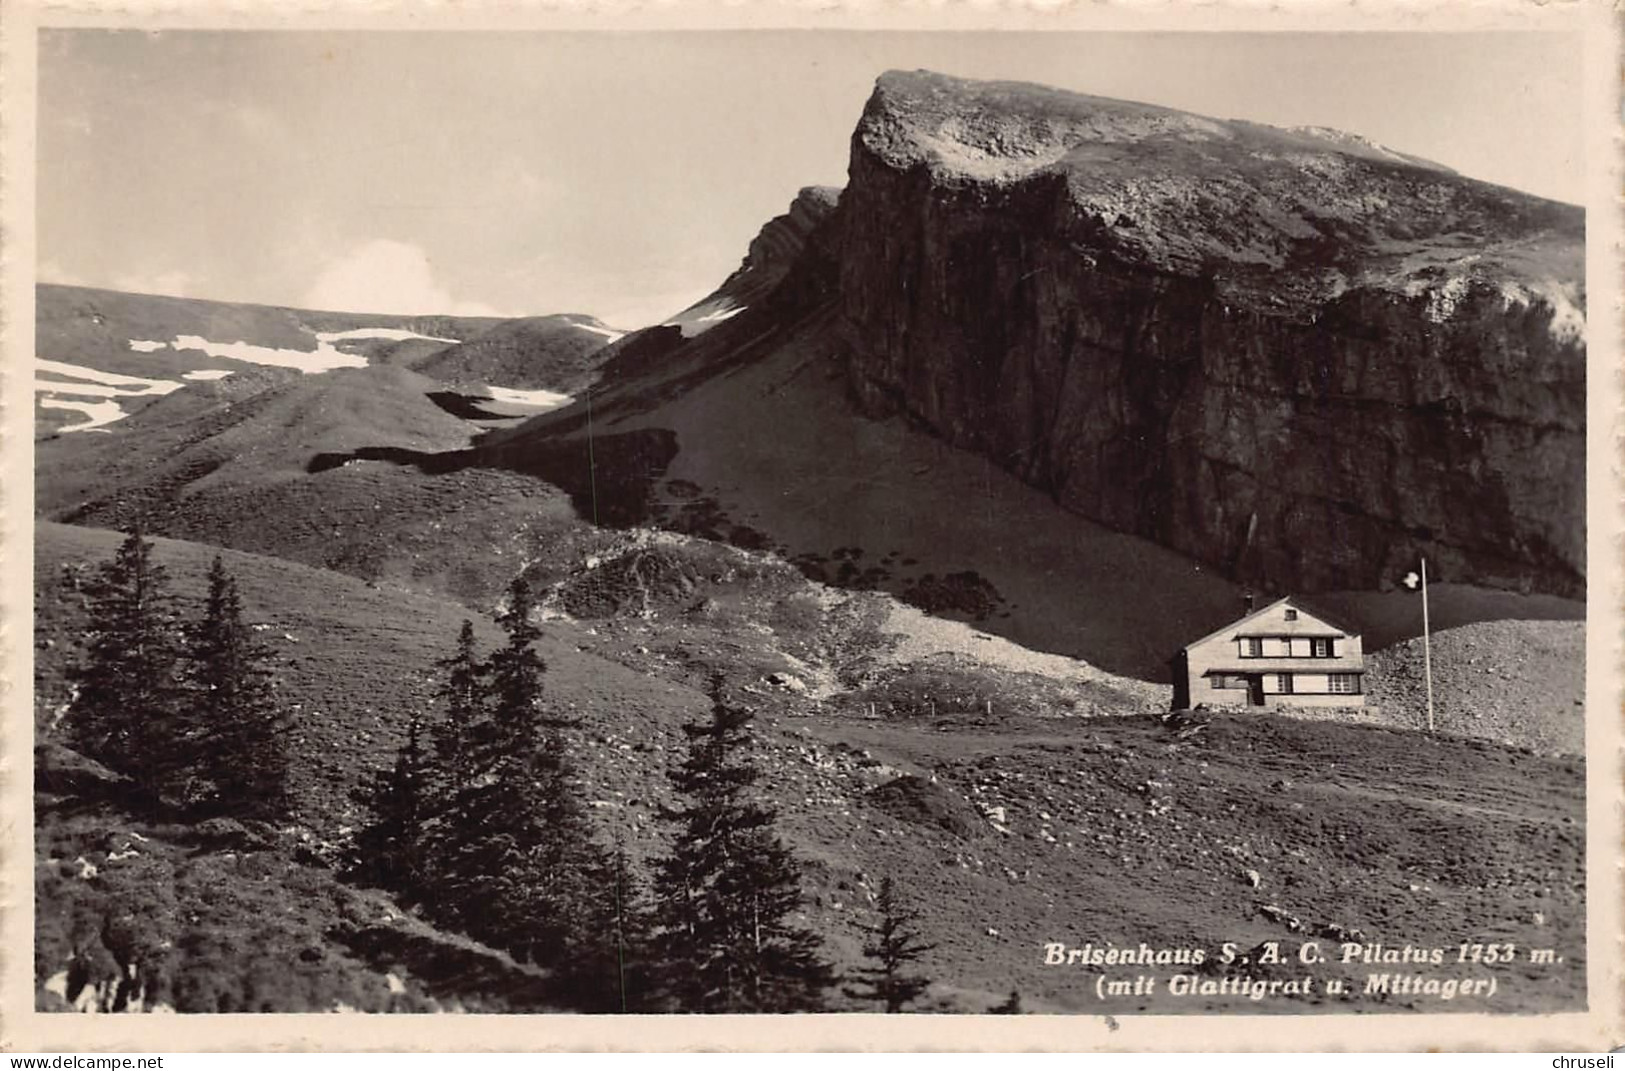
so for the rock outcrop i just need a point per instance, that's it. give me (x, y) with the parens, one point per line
(778, 248)
(1303, 358)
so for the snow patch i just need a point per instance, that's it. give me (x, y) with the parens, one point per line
(608, 333)
(85, 382)
(207, 374)
(721, 314)
(541, 399)
(55, 387)
(100, 414)
(692, 325)
(395, 334)
(324, 358)
(92, 375)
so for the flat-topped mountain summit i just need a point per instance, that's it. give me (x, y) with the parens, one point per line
(1286, 354)
(1281, 218)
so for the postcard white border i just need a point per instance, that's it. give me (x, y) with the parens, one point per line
(1602, 1027)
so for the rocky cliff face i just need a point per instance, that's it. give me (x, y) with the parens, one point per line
(778, 249)
(1301, 357)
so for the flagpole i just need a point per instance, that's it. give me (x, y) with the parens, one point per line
(1427, 649)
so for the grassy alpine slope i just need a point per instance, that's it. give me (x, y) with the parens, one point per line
(228, 463)
(1020, 826)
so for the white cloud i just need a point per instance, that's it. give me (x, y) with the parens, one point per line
(49, 271)
(386, 276)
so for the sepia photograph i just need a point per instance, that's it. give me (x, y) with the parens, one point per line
(734, 521)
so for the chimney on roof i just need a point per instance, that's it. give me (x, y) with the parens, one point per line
(1247, 601)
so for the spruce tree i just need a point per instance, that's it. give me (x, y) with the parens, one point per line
(516, 673)
(238, 738)
(460, 733)
(456, 771)
(520, 864)
(607, 968)
(389, 850)
(728, 890)
(625, 922)
(892, 946)
(489, 831)
(487, 859)
(126, 711)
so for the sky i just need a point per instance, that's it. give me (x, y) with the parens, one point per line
(623, 174)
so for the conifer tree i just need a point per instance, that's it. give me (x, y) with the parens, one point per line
(608, 967)
(238, 739)
(729, 887)
(456, 770)
(520, 863)
(462, 740)
(626, 923)
(487, 857)
(892, 946)
(459, 734)
(516, 673)
(503, 848)
(389, 850)
(127, 709)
